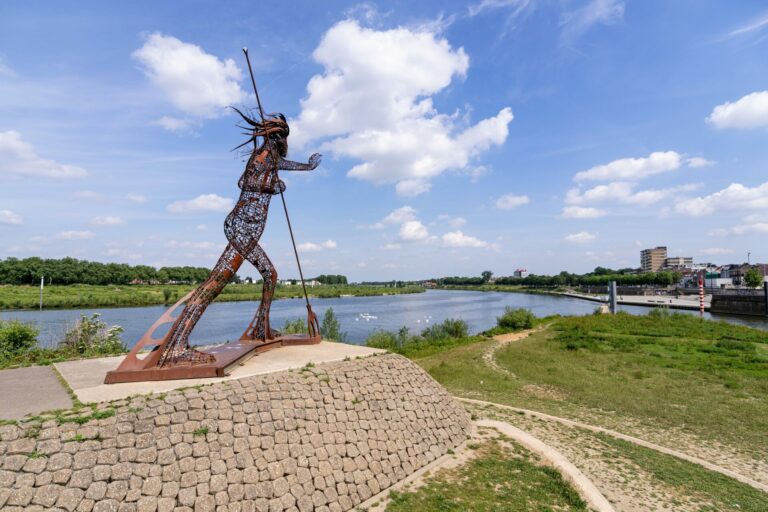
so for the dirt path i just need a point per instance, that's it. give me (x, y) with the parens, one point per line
(502, 340)
(570, 423)
(627, 486)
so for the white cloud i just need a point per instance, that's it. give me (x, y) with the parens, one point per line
(696, 161)
(8, 217)
(109, 220)
(137, 198)
(202, 203)
(750, 111)
(373, 104)
(624, 192)
(582, 237)
(176, 124)
(402, 214)
(489, 5)
(459, 239)
(714, 251)
(633, 168)
(754, 25)
(313, 247)
(196, 82)
(734, 197)
(580, 212)
(413, 230)
(605, 12)
(75, 235)
(391, 247)
(398, 216)
(201, 227)
(454, 222)
(19, 157)
(510, 201)
(742, 229)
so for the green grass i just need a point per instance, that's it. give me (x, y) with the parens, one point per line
(86, 296)
(691, 480)
(662, 371)
(500, 479)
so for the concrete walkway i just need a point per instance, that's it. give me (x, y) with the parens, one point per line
(30, 391)
(86, 377)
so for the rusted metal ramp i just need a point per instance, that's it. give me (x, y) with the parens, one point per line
(227, 356)
(143, 362)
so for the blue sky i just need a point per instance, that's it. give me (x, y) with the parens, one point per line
(457, 136)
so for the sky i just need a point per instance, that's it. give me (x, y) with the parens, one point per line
(456, 137)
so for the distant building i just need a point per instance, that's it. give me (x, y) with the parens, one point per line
(521, 272)
(652, 260)
(678, 262)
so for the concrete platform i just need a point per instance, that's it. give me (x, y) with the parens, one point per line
(86, 377)
(30, 391)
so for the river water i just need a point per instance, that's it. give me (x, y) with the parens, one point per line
(358, 316)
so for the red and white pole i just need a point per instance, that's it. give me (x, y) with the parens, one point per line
(701, 292)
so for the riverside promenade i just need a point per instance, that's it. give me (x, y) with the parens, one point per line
(690, 302)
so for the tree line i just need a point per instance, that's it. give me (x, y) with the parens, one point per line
(74, 271)
(600, 276)
(331, 279)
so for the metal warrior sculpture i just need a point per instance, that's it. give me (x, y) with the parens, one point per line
(171, 356)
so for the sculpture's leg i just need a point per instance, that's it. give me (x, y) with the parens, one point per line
(259, 328)
(177, 350)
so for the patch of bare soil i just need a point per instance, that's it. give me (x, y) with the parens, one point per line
(545, 392)
(625, 484)
(502, 340)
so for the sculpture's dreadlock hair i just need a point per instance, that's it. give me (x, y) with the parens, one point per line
(275, 127)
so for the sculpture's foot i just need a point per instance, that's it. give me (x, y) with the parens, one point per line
(274, 334)
(190, 356)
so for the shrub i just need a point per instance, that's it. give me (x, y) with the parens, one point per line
(295, 326)
(382, 339)
(516, 318)
(16, 338)
(167, 293)
(331, 328)
(449, 328)
(91, 336)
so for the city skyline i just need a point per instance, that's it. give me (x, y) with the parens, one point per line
(457, 137)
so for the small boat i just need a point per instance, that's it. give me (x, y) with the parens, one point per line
(367, 316)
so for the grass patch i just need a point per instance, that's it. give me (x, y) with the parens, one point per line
(89, 296)
(692, 480)
(499, 478)
(662, 370)
(203, 431)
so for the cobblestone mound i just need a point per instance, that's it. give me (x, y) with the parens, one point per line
(321, 438)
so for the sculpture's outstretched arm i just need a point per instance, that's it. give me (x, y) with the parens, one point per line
(289, 165)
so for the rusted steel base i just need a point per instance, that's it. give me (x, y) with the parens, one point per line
(227, 356)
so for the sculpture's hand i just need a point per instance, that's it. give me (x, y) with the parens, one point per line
(315, 160)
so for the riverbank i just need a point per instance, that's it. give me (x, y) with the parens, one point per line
(13, 297)
(685, 302)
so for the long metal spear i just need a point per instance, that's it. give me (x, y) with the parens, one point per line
(282, 197)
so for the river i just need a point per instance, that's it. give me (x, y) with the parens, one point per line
(227, 320)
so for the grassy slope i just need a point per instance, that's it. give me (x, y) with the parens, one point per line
(678, 371)
(501, 478)
(78, 296)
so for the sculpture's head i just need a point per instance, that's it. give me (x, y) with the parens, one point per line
(275, 127)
